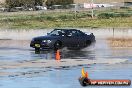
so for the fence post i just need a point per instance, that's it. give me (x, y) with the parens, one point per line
(113, 32)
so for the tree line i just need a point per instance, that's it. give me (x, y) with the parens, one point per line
(32, 3)
(58, 2)
(25, 3)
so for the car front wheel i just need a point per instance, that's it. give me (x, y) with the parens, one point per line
(57, 45)
(37, 50)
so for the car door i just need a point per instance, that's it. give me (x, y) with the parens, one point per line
(73, 38)
(80, 38)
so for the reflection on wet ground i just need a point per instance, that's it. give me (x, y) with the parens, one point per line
(49, 77)
(20, 50)
(17, 50)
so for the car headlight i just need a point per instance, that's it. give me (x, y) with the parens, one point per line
(44, 41)
(48, 41)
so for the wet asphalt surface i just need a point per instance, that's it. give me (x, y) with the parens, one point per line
(19, 50)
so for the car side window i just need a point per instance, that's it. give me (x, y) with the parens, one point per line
(75, 33)
(54, 33)
(72, 33)
(57, 33)
(79, 33)
(61, 33)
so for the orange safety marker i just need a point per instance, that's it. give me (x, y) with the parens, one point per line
(57, 57)
(84, 74)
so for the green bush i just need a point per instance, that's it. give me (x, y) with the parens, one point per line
(83, 15)
(113, 15)
(125, 15)
(49, 18)
(124, 7)
(106, 15)
(66, 17)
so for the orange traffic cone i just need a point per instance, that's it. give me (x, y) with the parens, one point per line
(86, 74)
(57, 57)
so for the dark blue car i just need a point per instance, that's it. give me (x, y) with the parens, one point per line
(59, 38)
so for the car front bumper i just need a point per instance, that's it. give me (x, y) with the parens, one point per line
(42, 45)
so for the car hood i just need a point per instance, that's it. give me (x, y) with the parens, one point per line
(44, 38)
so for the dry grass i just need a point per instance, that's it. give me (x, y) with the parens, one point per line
(59, 18)
(120, 42)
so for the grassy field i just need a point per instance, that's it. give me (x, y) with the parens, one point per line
(41, 20)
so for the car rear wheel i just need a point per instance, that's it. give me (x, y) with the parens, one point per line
(57, 45)
(88, 43)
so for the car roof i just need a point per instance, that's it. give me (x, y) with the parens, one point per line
(68, 29)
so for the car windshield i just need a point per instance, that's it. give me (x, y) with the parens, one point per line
(57, 33)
